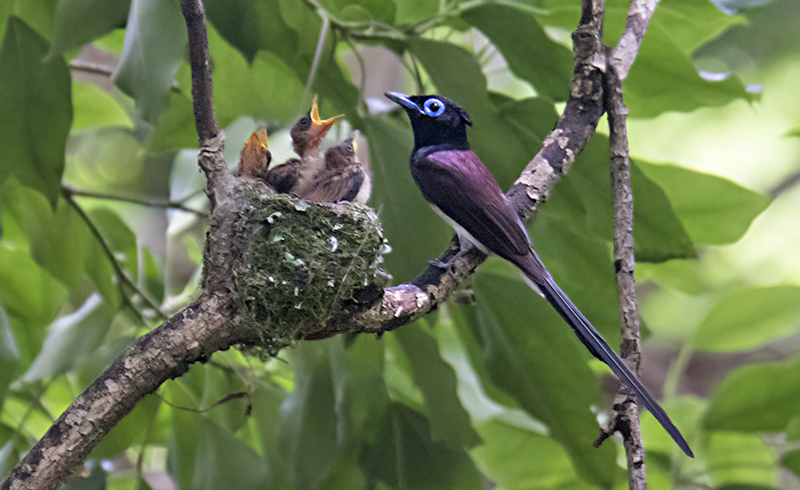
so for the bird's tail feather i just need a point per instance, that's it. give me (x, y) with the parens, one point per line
(599, 348)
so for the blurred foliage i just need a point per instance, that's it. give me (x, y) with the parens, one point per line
(472, 394)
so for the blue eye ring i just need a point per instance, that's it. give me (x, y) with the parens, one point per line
(433, 107)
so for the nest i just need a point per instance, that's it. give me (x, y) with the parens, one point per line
(302, 268)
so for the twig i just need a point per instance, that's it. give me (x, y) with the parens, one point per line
(91, 67)
(226, 399)
(195, 16)
(134, 200)
(628, 46)
(312, 73)
(123, 278)
(626, 412)
(785, 185)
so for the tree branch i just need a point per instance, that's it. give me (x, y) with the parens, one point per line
(627, 48)
(626, 413)
(165, 353)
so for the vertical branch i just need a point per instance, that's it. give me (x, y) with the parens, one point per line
(195, 16)
(635, 26)
(626, 411)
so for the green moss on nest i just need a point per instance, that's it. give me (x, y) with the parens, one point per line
(298, 263)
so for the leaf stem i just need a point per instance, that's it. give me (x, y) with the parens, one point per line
(123, 278)
(135, 200)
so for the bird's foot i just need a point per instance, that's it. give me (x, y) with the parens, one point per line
(448, 266)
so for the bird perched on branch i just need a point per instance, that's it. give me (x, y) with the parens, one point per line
(307, 134)
(344, 178)
(455, 181)
(255, 157)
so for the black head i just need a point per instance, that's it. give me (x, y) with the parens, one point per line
(436, 120)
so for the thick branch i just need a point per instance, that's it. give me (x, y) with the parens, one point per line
(192, 335)
(625, 410)
(627, 48)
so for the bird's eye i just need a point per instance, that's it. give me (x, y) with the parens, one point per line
(433, 107)
(305, 121)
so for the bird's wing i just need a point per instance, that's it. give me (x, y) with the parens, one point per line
(283, 178)
(335, 185)
(458, 183)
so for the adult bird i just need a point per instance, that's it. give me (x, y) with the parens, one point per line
(255, 156)
(307, 134)
(455, 181)
(344, 178)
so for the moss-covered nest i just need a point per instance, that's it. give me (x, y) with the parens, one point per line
(300, 266)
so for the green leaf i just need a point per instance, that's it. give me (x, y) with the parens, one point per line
(363, 10)
(517, 35)
(79, 22)
(761, 42)
(223, 461)
(71, 338)
(404, 456)
(791, 461)
(435, 378)
(692, 24)
(533, 118)
(133, 429)
(308, 426)
(411, 11)
(175, 127)
(38, 94)
(535, 358)
(155, 44)
(251, 25)
(740, 461)
(582, 265)
(31, 299)
(713, 210)
(267, 400)
(95, 481)
(749, 318)
(38, 14)
(266, 88)
(362, 401)
(658, 233)
(414, 231)
(9, 457)
(584, 201)
(56, 235)
(9, 357)
(94, 107)
(663, 78)
(683, 275)
(761, 397)
(545, 464)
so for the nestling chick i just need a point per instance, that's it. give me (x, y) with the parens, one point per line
(255, 157)
(344, 178)
(307, 134)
